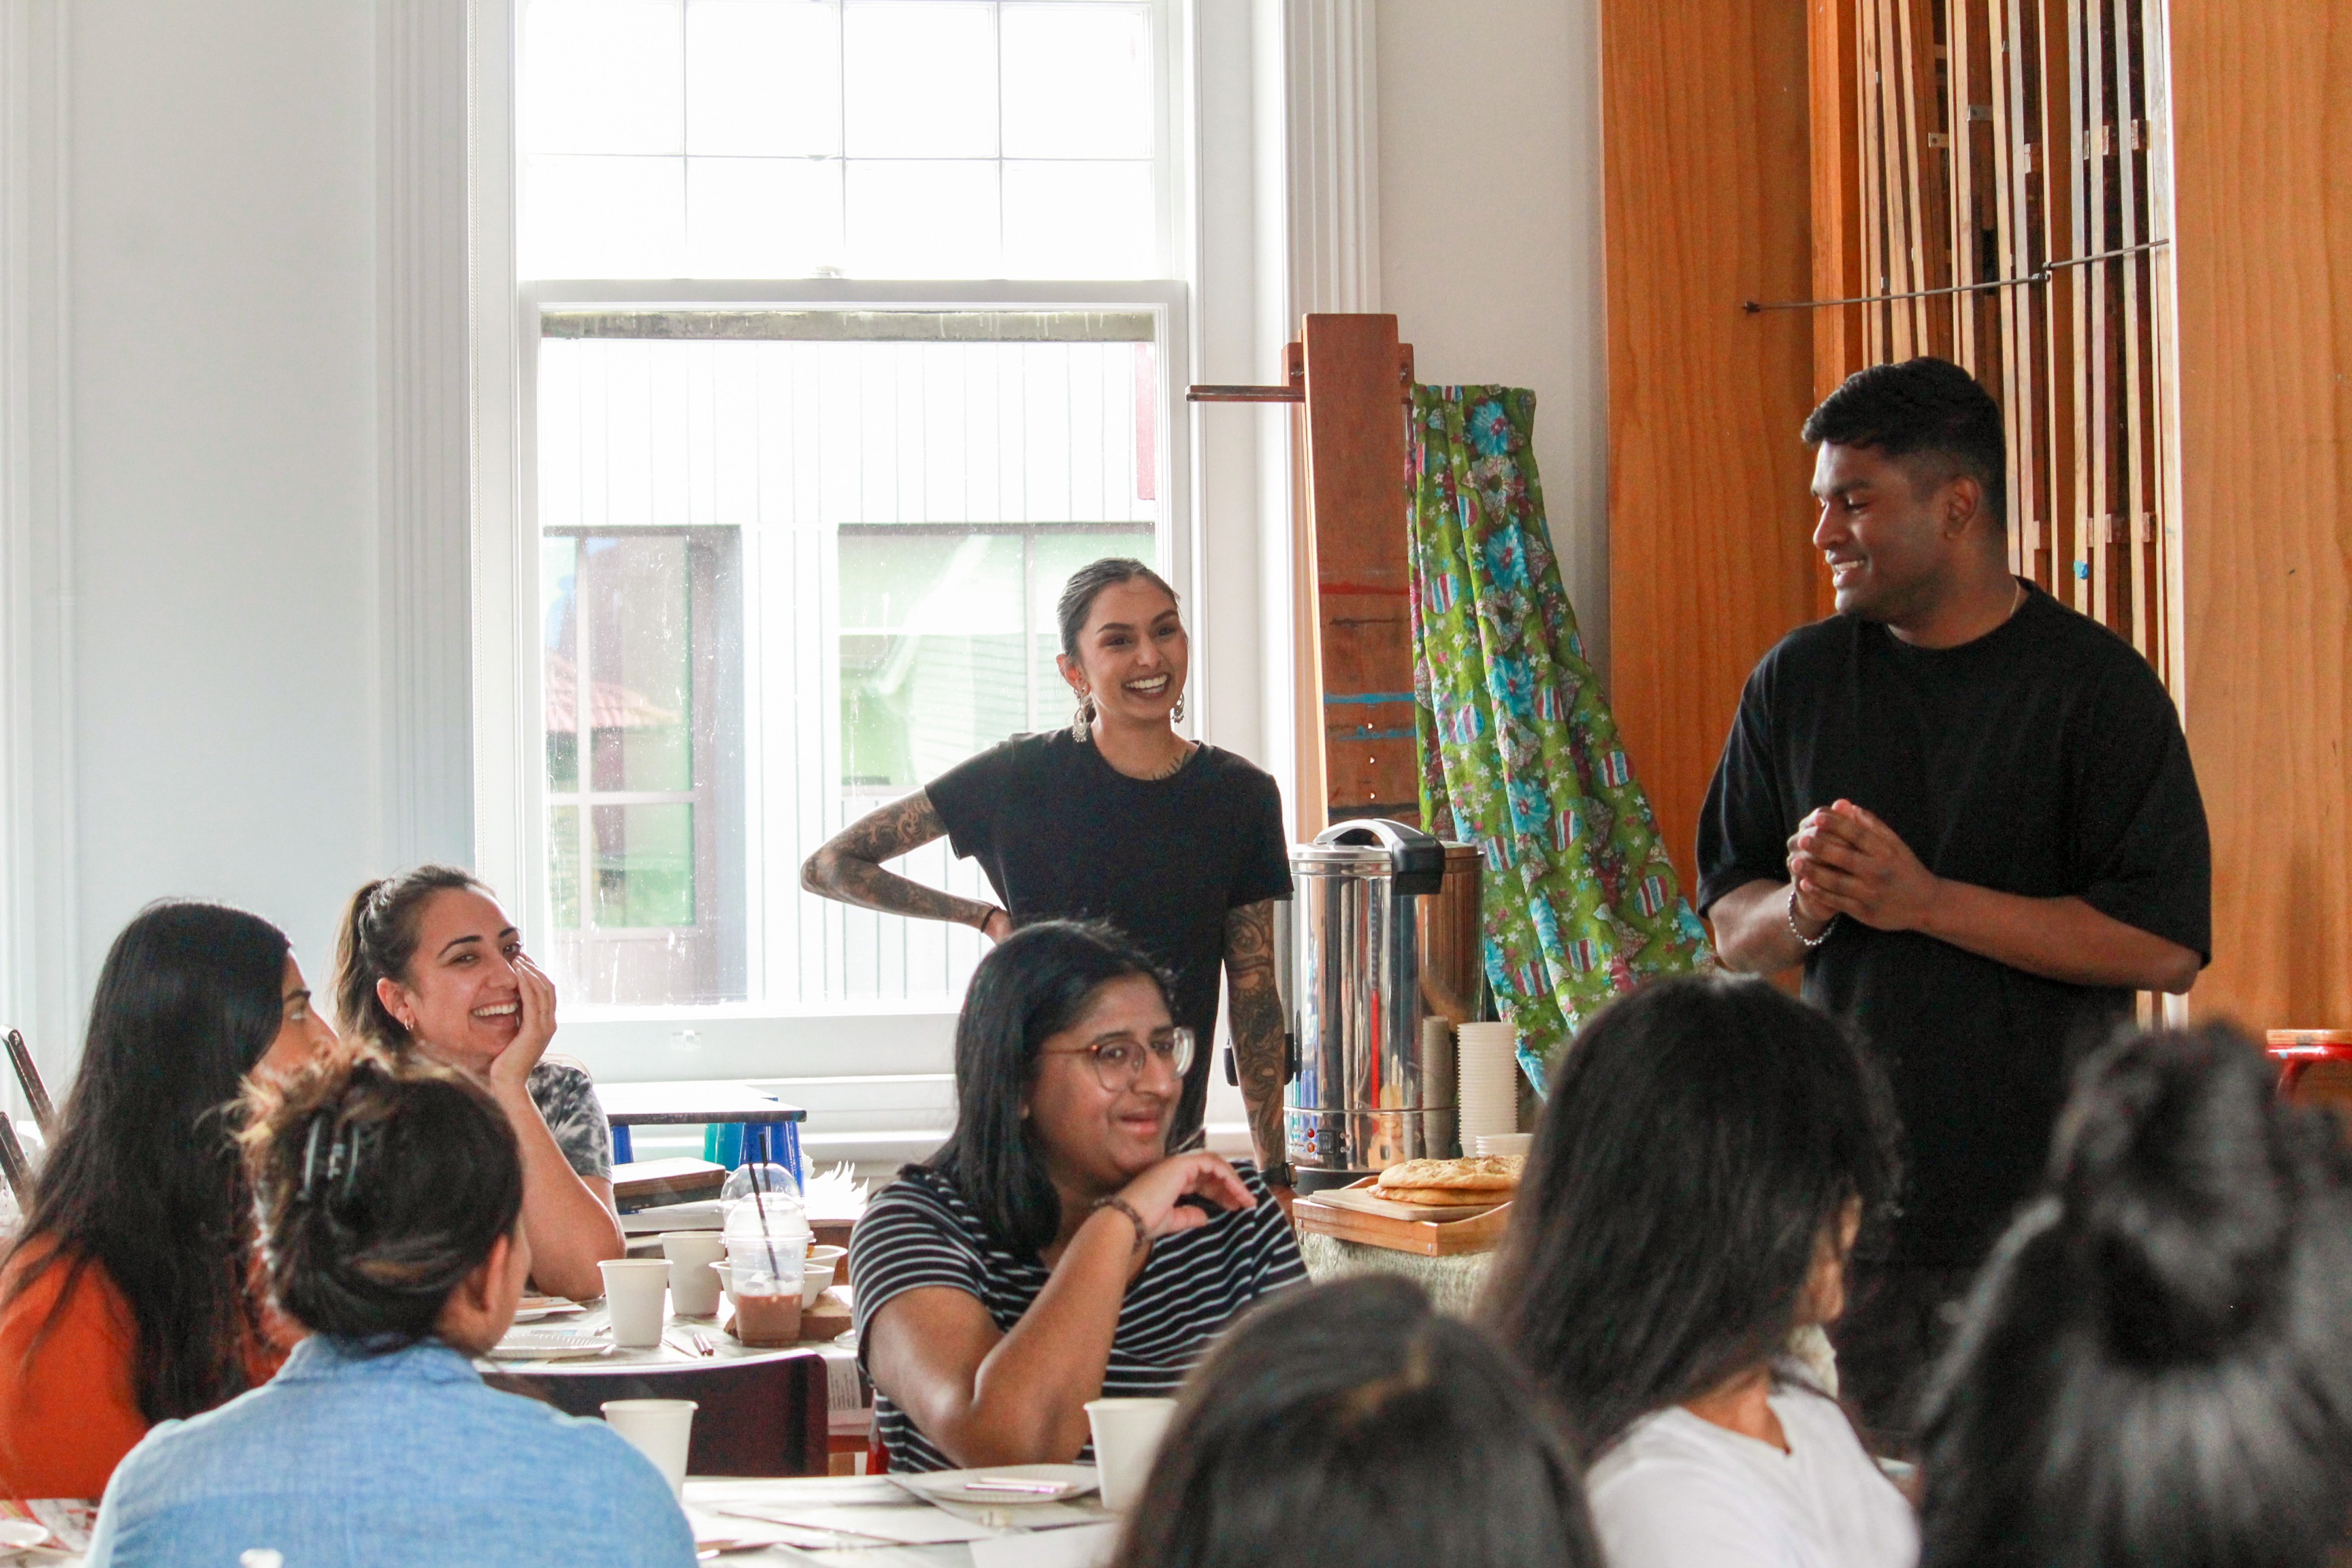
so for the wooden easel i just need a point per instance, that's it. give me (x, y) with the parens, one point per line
(1352, 573)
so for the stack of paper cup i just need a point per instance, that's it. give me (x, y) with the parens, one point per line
(1488, 1054)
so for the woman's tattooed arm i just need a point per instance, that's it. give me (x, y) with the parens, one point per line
(848, 865)
(1254, 1010)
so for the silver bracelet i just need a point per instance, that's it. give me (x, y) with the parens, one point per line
(1809, 943)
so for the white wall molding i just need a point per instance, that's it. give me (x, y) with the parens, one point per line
(425, 475)
(1331, 69)
(40, 979)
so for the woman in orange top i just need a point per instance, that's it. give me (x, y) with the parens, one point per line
(127, 1298)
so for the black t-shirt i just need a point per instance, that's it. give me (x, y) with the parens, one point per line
(1065, 835)
(2043, 759)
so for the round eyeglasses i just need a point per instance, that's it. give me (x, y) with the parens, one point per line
(1119, 1059)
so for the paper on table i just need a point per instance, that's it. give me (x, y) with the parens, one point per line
(921, 1525)
(1088, 1546)
(809, 1491)
(1028, 1516)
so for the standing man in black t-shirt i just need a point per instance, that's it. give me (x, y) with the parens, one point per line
(1969, 812)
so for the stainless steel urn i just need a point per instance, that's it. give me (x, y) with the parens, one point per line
(1384, 957)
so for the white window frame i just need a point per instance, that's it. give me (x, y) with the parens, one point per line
(731, 1039)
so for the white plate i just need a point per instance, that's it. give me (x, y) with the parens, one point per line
(954, 1485)
(535, 1314)
(18, 1533)
(548, 1344)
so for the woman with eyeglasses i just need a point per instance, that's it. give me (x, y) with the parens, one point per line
(1053, 1251)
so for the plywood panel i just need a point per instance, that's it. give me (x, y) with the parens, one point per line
(1708, 174)
(2262, 114)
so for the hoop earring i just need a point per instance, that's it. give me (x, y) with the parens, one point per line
(1081, 727)
(1176, 714)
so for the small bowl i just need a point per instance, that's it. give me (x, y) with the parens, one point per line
(831, 1255)
(815, 1280)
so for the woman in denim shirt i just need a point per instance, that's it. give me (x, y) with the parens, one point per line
(391, 1199)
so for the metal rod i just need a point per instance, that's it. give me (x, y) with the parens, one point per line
(1754, 307)
(1246, 395)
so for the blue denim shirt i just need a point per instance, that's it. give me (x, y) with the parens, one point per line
(349, 1461)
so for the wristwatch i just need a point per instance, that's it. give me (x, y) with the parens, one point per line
(1279, 1174)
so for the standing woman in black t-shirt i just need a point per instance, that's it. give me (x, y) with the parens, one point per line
(1117, 817)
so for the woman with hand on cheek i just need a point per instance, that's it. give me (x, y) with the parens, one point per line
(1054, 1251)
(429, 963)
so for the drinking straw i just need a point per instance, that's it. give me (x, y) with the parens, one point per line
(762, 1210)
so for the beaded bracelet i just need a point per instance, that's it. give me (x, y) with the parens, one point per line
(1811, 942)
(1143, 1233)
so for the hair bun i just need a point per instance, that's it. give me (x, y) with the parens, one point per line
(2178, 1194)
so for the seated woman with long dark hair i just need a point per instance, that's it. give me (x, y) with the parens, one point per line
(391, 1201)
(2156, 1367)
(1351, 1424)
(1053, 1251)
(126, 1298)
(1708, 1152)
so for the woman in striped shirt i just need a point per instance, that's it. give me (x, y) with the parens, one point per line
(1053, 1252)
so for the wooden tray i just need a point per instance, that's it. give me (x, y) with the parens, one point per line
(1429, 1237)
(1367, 1200)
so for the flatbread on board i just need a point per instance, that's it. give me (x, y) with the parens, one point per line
(1465, 1178)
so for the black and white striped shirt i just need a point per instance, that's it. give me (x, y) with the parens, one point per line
(918, 1231)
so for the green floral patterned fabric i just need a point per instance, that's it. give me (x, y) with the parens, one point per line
(1518, 753)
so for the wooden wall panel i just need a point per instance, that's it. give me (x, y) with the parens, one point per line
(1708, 174)
(2262, 116)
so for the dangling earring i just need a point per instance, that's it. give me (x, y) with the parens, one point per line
(1082, 726)
(1176, 714)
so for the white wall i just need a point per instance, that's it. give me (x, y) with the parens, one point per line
(1490, 236)
(220, 404)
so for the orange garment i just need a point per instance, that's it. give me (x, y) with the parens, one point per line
(68, 1397)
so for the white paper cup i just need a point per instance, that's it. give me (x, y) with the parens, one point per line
(1127, 1438)
(1504, 1143)
(660, 1429)
(635, 1290)
(693, 1287)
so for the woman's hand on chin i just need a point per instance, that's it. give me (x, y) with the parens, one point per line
(510, 1068)
(1158, 1194)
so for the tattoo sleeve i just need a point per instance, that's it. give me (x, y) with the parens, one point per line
(848, 865)
(1261, 1051)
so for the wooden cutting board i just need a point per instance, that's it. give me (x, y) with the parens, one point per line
(1367, 1200)
(1482, 1232)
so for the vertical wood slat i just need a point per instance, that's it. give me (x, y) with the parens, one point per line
(1902, 341)
(1837, 195)
(1876, 341)
(1916, 161)
(2050, 97)
(1960, 205)
(2013, 305)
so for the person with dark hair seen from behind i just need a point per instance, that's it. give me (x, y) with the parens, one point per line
(1969, 812)
(129, 1296)
(1053, 1251)
(1351, 1424)
(1708, 1155)
(390, 1199)
(1115, 817)
(2156, 1370)
(429, 963)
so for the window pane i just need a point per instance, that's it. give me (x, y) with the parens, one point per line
(563, 867)
(762, 78)
(921, 485)
(923, 220)
(933, 656)
(918, 79)
(761, 217)
(1077, 82)
(1080, 220)
(644, 866)
(640, 655)
(558, 568)
(603, 76)
(604, 217)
